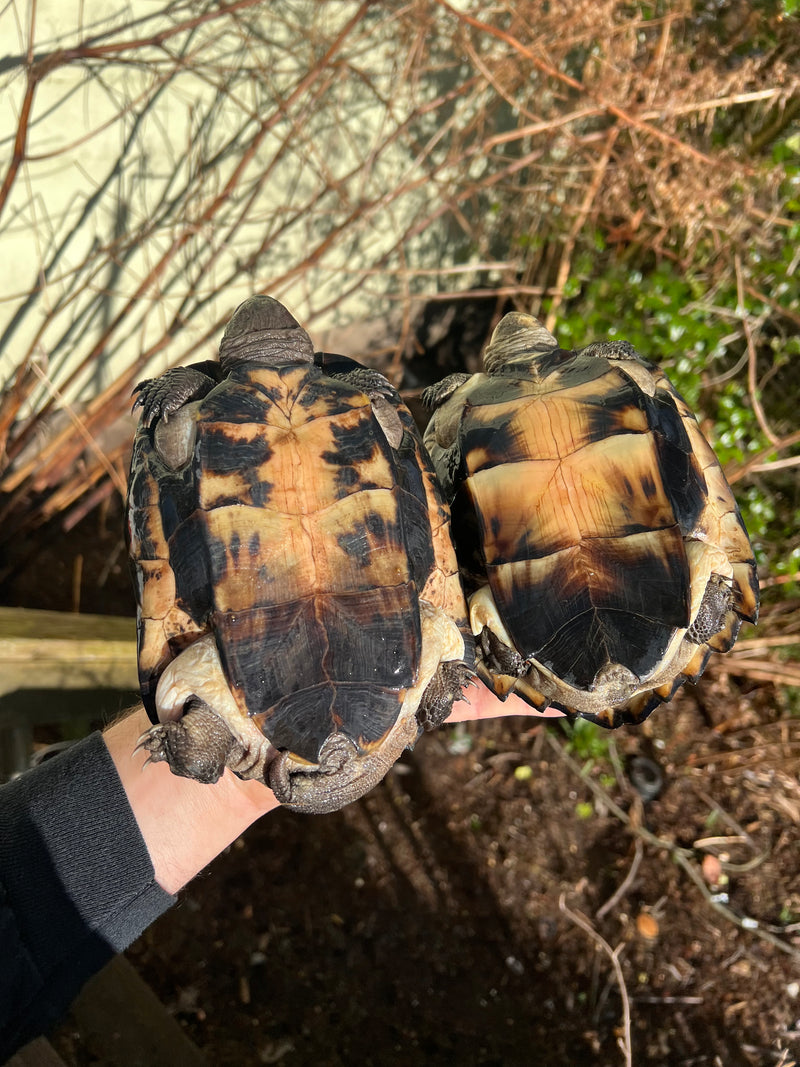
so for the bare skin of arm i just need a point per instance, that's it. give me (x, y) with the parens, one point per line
(186, 824)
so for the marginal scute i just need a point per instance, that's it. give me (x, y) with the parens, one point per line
(639, 374)
(597, 535)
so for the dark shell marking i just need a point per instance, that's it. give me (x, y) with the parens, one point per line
(297, 535)
(588, 504)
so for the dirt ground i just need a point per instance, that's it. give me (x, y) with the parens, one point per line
(504, 897)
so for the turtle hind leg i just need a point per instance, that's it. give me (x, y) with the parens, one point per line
(343, 773)
(446, 686)
(317, 788)
(199, 745)
(715, 617)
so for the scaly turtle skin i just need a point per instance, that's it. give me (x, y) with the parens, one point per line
(603, 553)
(301, 618)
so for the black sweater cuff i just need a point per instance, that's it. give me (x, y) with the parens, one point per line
(76, 885)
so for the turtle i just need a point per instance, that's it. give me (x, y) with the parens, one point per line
(603, 553)
(300, 617)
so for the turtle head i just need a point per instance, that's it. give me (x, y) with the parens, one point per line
(261, 329)
(516, 334)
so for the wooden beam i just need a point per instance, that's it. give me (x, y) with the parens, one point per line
(60, 650)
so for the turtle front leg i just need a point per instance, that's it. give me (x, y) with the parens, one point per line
(161, 397)
(199, 745)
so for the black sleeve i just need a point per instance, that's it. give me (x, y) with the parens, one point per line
(76, 885)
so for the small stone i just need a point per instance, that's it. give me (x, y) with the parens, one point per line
(647, 926)
(712, 869)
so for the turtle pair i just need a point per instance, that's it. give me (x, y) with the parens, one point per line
(301, 613)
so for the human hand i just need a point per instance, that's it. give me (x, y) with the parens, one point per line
(480, 703)
(184, 824)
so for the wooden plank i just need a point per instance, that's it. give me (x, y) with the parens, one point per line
(120, 1020)
(38, 1053)
(36, 706)
(59, 667)
(33, 623)
(60, 650)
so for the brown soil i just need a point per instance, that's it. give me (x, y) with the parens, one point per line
(456, 913)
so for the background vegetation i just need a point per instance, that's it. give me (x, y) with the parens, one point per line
(625, 169)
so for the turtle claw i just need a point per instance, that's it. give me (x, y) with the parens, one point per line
(142, 743)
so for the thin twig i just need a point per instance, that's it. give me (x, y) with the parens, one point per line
(713, 104)
(752, 384)
(577, 225)
(776, 465)
(80, 426)
(627, 882)
(736, 474)
(613, 954)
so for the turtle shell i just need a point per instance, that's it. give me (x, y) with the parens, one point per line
(602, 549)
(298, 521)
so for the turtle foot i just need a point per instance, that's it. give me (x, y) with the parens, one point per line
(435, 395)
(498, 657)
(161, 397)
(198, 745)
(446, 686)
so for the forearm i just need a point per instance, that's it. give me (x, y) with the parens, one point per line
(184, 824)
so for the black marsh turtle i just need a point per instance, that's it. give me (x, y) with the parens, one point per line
(301, 618)
(603, 554)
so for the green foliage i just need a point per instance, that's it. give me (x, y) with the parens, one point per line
(585, 740)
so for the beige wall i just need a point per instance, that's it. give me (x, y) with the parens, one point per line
(329, 164)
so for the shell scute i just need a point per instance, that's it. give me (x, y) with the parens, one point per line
(301, 722)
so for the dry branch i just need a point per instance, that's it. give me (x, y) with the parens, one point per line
(613, 955)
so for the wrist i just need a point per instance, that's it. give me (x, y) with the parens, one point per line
(184, 824)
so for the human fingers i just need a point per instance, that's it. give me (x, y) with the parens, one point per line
(481, 703)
